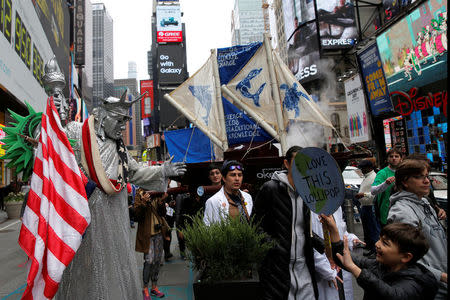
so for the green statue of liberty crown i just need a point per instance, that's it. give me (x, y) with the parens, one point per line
(20, 139)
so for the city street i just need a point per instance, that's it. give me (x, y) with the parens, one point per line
(175, 278)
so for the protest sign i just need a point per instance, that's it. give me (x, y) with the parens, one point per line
(318, 180)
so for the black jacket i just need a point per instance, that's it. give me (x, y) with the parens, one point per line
(273, 207)
(413, 283)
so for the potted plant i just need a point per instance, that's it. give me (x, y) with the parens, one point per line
(225, 256)
(13, 204)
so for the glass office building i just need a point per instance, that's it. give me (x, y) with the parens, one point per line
(102, 52)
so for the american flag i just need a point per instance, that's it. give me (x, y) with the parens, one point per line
(57, 212)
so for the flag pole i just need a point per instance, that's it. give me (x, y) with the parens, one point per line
(276, 95)
(219, 100)
(192, 119)
(248, 110)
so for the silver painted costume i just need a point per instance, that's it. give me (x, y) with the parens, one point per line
(104, 267)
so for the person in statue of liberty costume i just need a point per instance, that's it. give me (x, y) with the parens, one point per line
(104, 266)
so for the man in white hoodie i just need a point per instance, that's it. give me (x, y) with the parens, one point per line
(371, 227)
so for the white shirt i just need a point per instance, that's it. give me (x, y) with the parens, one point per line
(216, 207)
(365, 188)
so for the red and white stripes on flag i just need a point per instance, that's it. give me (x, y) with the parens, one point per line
(57, 212)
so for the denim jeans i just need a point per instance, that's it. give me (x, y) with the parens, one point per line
(371, 227)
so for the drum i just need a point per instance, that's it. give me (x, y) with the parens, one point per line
(441, 43)
(423, 46)
(417, 52)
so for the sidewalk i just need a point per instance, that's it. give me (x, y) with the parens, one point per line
(176, 278)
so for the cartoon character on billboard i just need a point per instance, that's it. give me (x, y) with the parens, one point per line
(410, 63)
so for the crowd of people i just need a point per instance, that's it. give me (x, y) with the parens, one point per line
(405, 240)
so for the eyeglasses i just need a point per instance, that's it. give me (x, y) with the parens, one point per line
(421, 177)
(235, 167)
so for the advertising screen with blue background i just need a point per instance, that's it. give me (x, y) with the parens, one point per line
(374, 80)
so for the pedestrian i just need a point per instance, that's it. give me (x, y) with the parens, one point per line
(230, 200)
(151, 232)
(383, 183)
(331, 281)
(170, 219)
(214, 175)
(409, 205)
(442, 215)
(288, 271)
(395, 273)
(371, 227)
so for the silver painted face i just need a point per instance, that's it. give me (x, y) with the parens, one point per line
(114, 124)
(61, 104)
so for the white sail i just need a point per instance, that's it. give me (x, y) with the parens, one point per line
(297, 104)
(196, 98)
(252, 87)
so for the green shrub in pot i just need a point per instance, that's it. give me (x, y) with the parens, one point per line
(227, 250)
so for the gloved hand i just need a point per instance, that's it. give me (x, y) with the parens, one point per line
(173, 169)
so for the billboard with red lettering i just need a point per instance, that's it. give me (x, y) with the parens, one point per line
(168, 24)
(146, 101)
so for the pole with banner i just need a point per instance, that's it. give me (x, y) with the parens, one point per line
(276, 94)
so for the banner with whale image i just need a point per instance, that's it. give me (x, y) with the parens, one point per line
(252, 86)
(240, 127)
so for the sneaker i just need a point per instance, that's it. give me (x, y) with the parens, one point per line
(146, 294)
(157, 293)
(168, 256)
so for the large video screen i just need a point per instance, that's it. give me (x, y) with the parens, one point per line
(302, 42)
(393, 7)
(414, 50)
(337, 23)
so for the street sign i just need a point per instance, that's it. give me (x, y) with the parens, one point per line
(318, 180)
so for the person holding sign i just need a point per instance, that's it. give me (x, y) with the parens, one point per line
(395, 273)
(384, 181)
(328, 276)
(288, 270)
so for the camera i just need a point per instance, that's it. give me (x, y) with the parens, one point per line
(157, 227)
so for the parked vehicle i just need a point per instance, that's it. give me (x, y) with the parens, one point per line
(439, 184)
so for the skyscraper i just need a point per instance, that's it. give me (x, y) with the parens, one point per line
(102, 44)
(247, 24)
(132, 69)
(132, 135)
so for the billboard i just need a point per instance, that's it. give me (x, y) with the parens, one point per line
(414, 50)
(24, 49)
(147, 103)
(54, 18)
(302, 42)
(393, 7)
(358, 121)
(337, 23)
(79, 25)
(374, 80)
(170, 64)
(168, 24)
